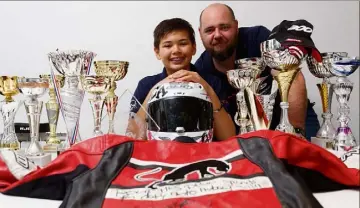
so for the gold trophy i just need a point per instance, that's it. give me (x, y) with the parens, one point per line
(8, 109)
(52, 110)
(287, 63)
(117, 71)
(96, 85)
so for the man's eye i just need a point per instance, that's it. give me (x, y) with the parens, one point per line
(209, 30)
(225, 27)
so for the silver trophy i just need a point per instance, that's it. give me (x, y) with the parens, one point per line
(71, 64)
(242, 78)
(343, 66)
(285, 60)
(266, 100)
(96, 85)
(33, 88)
(326, 134)
(8, 109)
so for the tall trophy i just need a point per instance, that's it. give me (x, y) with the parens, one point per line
(96, 85)
(343, 66)
(52, 110)
(326, 134)
(34, 88)
(242, 78)
(287, 63)
(71, 64)
(117, 70)
(8, 109)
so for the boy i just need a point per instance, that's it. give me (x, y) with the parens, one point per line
(174, 45)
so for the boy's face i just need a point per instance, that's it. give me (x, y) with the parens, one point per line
(176, 51)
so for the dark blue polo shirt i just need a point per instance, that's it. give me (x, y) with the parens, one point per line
(249, 40)
(145, 85)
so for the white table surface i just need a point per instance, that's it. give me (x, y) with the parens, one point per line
(336, 199)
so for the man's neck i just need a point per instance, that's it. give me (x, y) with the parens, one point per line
(224, 66)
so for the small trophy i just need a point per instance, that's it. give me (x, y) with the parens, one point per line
(52, 110)
(266, 101)
(326, 134)
(96, 85)
(71, 64)
(34, 88)
(242, 78)
(287, 62)
(117, 70)
(343, 66)
(8, 109)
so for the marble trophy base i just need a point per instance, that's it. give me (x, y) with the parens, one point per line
(40, 160)
(324, 143)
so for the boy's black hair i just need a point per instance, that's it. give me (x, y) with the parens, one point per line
(169, 25)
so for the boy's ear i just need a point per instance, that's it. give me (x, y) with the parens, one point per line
(194, 49)
(156, 51)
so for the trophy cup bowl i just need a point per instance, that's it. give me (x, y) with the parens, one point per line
(8, 109)
(33, 88)
(117, 70)
(52, 110)
(71, 64)
(96, 85)
(286, 61)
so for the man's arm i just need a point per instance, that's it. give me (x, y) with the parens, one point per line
(298, 102)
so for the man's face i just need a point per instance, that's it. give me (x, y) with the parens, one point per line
(176, 50)
(218, 32)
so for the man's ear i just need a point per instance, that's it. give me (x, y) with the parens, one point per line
(156, 51)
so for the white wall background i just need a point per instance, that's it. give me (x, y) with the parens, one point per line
(123, 30)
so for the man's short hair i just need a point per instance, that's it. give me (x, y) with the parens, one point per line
(170, 25)
(229, 8)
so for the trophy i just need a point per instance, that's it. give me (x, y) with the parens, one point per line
(286, 62)
(117, 70)
(52, 110)
(96, 85)
(266, 100)
(242, 78)
(326, 134)
(71, 64)
(343, 66)
(8, 109)
(33, 88)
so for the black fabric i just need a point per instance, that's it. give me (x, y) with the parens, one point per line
(89, 189)
(51, 187)
(191, 113)
(289, 191)
(313, 180)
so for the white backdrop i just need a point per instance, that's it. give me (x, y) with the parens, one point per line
(123, 30)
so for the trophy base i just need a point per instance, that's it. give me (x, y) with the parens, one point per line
(42, 160)
(46, 147)
(324, 143)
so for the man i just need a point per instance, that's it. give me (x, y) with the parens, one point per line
(225, 42)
